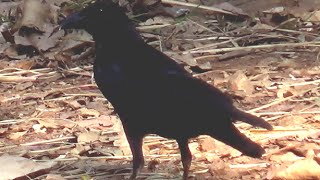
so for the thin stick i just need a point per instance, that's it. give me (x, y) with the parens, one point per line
(212, 9)
(264, 46)
(280, 101)
(48, 141)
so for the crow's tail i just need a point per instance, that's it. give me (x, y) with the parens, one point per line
(233, 137)
(250, 119)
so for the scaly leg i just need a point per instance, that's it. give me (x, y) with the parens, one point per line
(186, 157)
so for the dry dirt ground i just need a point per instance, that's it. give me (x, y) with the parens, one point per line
(55, 123)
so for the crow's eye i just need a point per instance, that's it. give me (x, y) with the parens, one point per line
(100, 10)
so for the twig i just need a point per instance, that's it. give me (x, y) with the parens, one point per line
(216, 44)
(246, 166)
(280, 100)
(151, 27)
(107, 158)
(52, 149)
(264, 46)
(212, 9)
(48, 141)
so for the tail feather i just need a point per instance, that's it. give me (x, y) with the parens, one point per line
(251, 119)
(234, 138)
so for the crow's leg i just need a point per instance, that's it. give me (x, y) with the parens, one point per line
(186, 156)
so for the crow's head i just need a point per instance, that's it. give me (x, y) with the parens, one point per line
(98, 17)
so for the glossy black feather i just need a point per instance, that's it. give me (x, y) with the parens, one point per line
(152, 94)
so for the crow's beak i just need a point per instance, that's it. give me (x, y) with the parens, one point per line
(73, 21)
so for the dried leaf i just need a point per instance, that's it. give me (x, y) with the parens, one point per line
(291, 120)
(88, 137)
(239, 82)
(98, 122)
(287, 157)
(56, 123)
(16, 166)
(73, 104)
(79, 149)
(23, 86)
(207, 144)
(89, 112)
(16, 135)
(54, 177)
(302, 169)
(229, 7)
(43, 12)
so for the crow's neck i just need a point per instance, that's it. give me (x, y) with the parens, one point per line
(119, 43)
(117, 35)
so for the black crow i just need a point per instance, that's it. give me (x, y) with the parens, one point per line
(152, 94)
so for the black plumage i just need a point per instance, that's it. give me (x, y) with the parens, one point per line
(152, 94)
